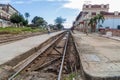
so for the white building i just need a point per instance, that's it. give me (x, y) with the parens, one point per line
(112, 19)
(6, 10)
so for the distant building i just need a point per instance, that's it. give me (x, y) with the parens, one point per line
(112, 19)
(6, 10)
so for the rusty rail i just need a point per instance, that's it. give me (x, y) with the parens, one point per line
(37, 55)
(64, 53)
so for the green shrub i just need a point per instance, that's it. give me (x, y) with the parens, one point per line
(70, 77)
(14, 30)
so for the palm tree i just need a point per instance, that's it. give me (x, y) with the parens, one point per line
(27, 15)
(100, 18)
(93, 21)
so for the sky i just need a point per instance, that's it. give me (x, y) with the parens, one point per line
(50, 9)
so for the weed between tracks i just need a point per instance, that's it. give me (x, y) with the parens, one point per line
(70, 76)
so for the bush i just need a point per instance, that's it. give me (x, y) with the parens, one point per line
(14, 30)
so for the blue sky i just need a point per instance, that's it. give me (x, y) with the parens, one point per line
(50, 9)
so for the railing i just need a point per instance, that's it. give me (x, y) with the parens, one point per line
(3, 17)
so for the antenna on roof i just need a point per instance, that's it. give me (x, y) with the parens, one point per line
(87, 2)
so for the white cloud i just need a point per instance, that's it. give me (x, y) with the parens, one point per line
(35, 0)
(57, 0)
(5, 1)
(32, 1)
(19, 2)
(73, 4)
(49, 0)
(67, 25)
(77, 4)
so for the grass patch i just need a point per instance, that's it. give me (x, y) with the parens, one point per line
(70, 77)
(14, 30)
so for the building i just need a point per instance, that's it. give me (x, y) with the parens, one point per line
(6, 10)
(112, 19)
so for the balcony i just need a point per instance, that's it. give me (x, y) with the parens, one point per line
(5, 9)
(4, 18)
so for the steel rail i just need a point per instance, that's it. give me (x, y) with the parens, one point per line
(64, 53)
(36, 56)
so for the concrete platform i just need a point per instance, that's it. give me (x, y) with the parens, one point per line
(112, 37)
(14, 49)
(100, 57)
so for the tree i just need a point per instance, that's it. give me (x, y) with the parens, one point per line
(96, 20)
(51, 26)
(25, 22)
(59, 26)
(16, 18)
(59, 21)
(27, 15)
(39, 21)
(44, 23)
(92, 23)
(100, 19)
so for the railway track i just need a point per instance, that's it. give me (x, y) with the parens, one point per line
(57, 57)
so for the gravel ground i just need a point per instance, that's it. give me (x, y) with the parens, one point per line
(37, 76)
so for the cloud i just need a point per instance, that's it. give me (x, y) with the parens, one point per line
(67, 25)
(32, 1)
(19, 2)
(5, 1)
(49, 0)
(35, 0)
(73, 4)
(77, 4)
(58, 0)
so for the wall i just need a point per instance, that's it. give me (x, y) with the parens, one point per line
(111, 23)
(115, 32)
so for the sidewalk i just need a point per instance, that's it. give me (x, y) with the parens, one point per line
(12, 50)
(112, 37)
(100, 57)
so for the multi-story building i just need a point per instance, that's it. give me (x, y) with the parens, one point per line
(112, 19)
(6, 10)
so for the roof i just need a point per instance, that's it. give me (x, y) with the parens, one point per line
(13, 8)
(107, 13)
(2, 4)
(8, 6)
(80, 14)
(96, 5)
